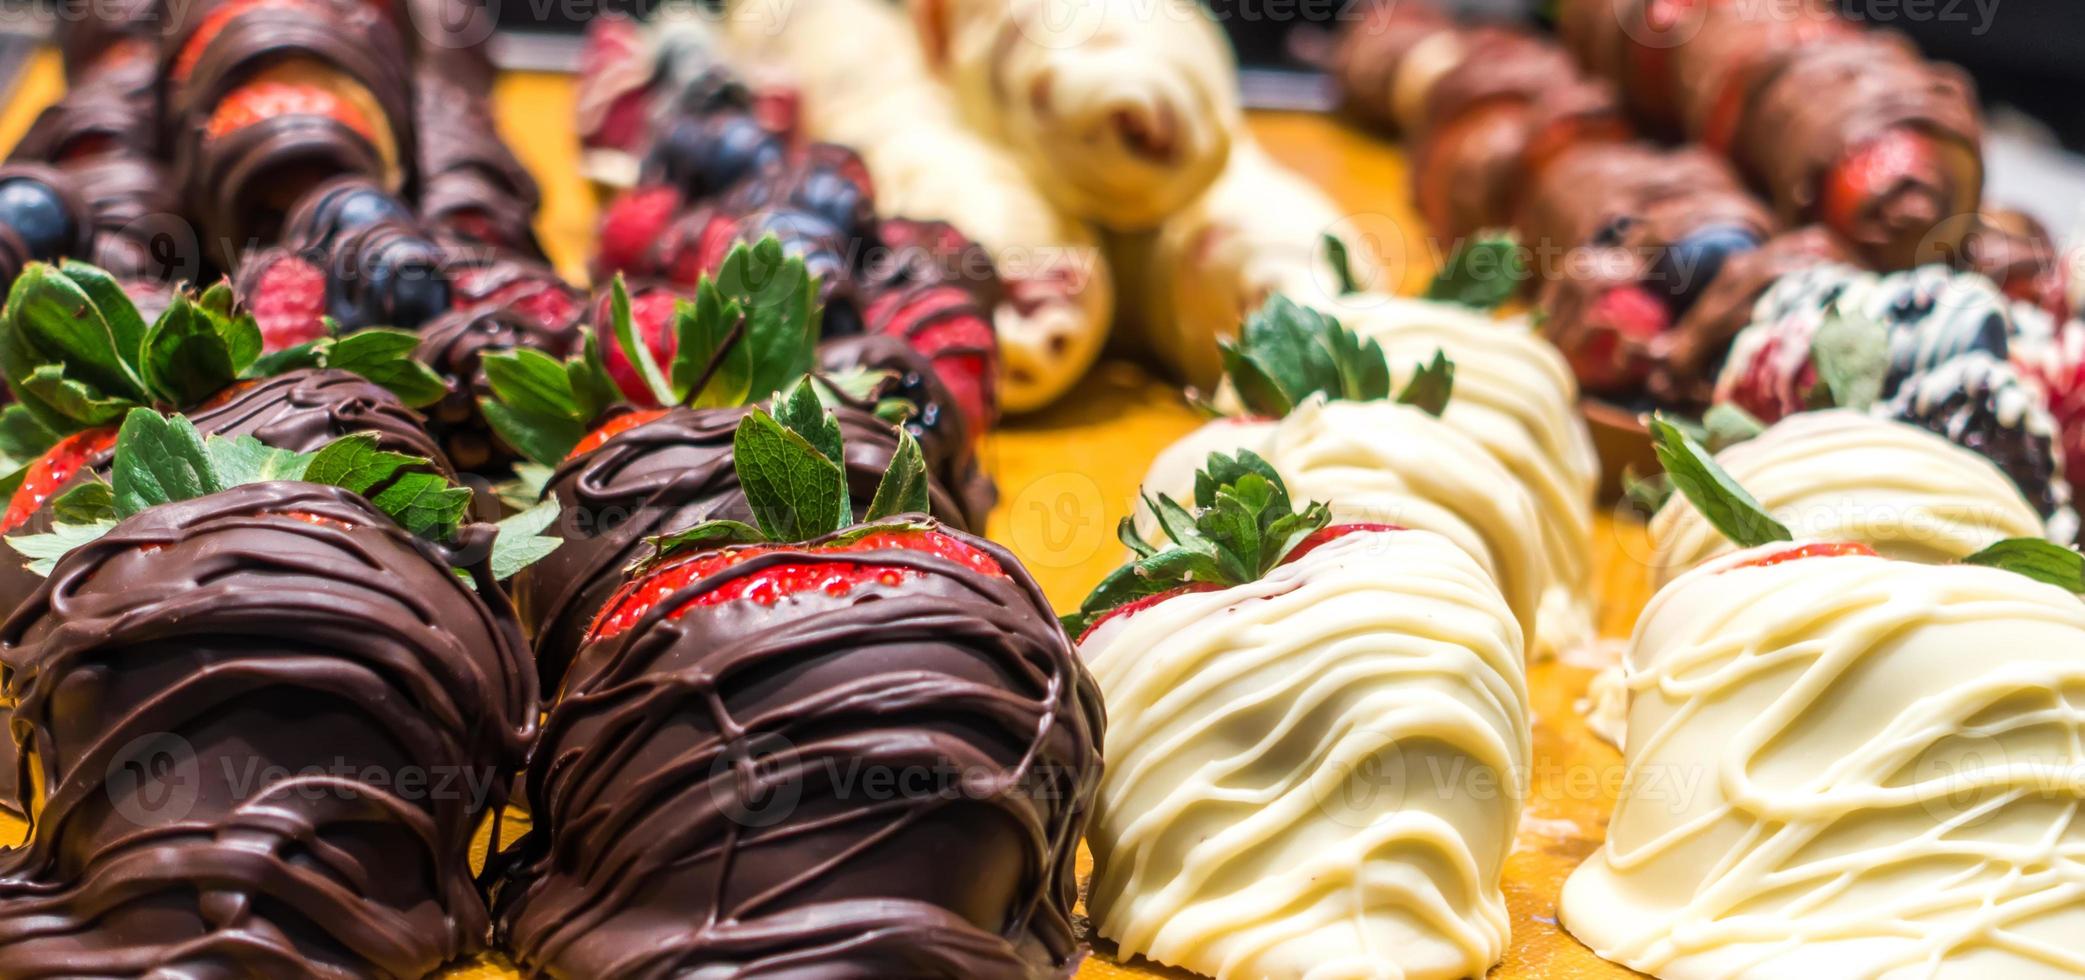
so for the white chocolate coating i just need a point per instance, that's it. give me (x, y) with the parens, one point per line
(1841, 475)
(1258, 231)
(1381, 462)
(1317, 774)
(861, 81)
(1121, 110)
(1515, 395)
(1847, 767)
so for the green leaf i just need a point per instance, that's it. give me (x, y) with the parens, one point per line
(633, 347)
(56, 319)
(1341, 262)
(800, 411)
(159, 459)
(521, 541)
(305, 355)
(1220, 469)
(2037, 559)
(126, 325)
(533, 405)
(22, 437)
(707, 536)
(795, 490)
(903, 489)
(1726, 425)
(1122, 587)
(525, 490)
(44, 550)
(1126, 532)
(67, 404)
(1852, 356)
(779, 300)
(1286, 353)
(1431, 386)
(185, 358)
(1483, 273)
(593, 391)
(713, 362)
(546, 439)
(385, 357)
(1648, 493)
(1727, 506)
(407, 488)
(240, 460)
(92, 502)
(219, 300)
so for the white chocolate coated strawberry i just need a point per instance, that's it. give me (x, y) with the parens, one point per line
(1845, 476)
(1847, 767)
(1315, 774)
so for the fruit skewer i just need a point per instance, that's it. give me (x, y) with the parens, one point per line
(1835, 124)
(1645, 260)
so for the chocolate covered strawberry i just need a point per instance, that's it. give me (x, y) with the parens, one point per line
(631, 228)
(896, 643)
(328, 623)
(625, 469)
(78, 356)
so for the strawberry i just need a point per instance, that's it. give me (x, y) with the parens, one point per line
(651, 313)
(631, 227)
(1872, 172)
(1209, 549)
(53, 470)
(287, 296)
(1611, 353)
(2057, 366)
(775, 583)
(945, 323)
(1826, 549)
(615, 71)
(694, 246)
(614, 427)
(255, 101)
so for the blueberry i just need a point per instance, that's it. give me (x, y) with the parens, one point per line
(403, 286)
(1688, 266)
(705, 156)
(38, 215)
(357, 207)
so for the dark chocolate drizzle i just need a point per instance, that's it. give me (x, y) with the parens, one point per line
(198, 645)
(454, 345)
(706, 804)
(664, 476)
(243, 185)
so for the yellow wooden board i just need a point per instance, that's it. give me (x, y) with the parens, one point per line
(1068, 474)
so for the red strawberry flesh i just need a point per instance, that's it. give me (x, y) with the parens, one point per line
(651, 315)
(615, 427)
(630, 226)
(775, 583)
(289, 303)
(1828, 549)
(52, 470)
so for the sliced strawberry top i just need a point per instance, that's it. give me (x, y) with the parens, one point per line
(1827, 549)
(770, 585)
(1128, 609)
(1315, 540)
(1326, 535)
(51, 471)
(615, 427)
(256, 101)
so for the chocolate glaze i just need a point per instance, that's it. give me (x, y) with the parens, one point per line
(2018, 253)
(242, 185)
(667, 475)
(112, 110)
(367, 265)
(198, 645)
(480, 276)
(1817, 103)
(85, 43)
(136, 220)
(354, 37)
(1692, 352)
(943, 435)
(470, 181)
(300, 411)
(1497, 118)
(696, 813)
(454, 345)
